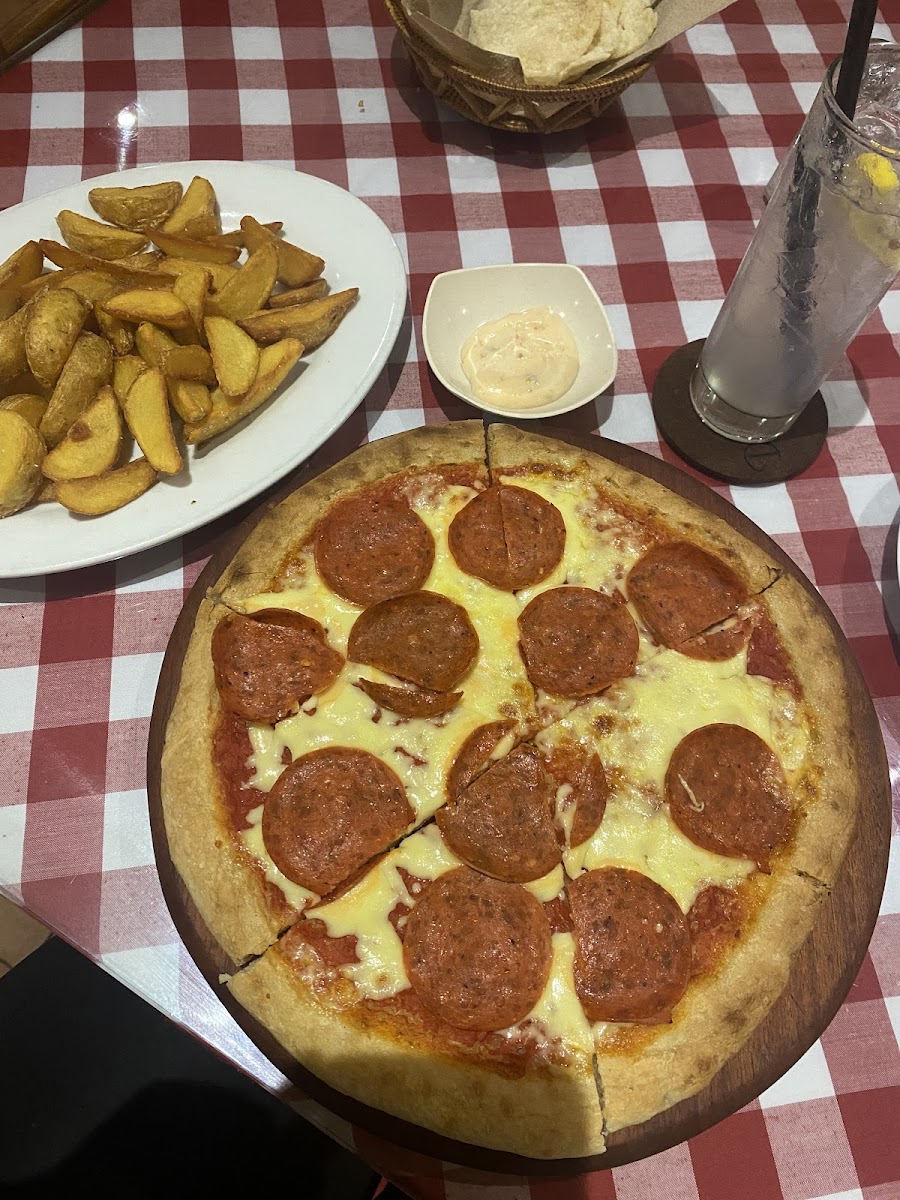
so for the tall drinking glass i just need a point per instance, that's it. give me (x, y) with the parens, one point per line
(825, 252)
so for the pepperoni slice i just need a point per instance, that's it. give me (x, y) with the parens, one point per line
(423, 638)
(371, 547)
(576, 641)
(477, 951)
(632, 946)
(727, 793)
(408, 703)
(474, 754)
(501, 823)
(584, 774)
(508, 536)
(329, 812)
(680, 590)
(715, 919)
(267, 664)
(718, 645)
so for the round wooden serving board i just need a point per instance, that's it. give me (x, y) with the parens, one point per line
(823, 970)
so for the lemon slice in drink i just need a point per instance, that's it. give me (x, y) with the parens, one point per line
(878, 232)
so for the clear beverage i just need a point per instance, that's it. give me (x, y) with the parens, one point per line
(826, 251)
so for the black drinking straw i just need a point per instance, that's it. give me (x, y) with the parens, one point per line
(853, 61)
(797, 265)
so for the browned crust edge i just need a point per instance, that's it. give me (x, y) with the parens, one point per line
(229, 894)
(718, 1015)
(551, 1114)
(510, 447)
(829, 821)
(291, 522)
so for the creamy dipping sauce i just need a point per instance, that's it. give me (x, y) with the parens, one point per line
(521, 360)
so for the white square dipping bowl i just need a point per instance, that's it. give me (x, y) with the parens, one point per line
(459, 301)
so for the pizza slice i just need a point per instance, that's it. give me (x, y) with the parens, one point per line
(442, 995)
(341, 645)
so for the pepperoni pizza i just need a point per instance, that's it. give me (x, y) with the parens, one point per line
(511, 782)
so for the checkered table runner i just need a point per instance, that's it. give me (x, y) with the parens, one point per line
(656, 202)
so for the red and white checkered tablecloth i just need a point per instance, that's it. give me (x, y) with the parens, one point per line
(656, 202)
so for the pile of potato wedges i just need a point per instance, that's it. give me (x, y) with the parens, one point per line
(150, 331)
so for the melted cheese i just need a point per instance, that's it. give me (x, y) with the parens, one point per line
(364, 910)
(420, 751)
(548, 886)
(252, 839)
(559, 1012)
(635, 727)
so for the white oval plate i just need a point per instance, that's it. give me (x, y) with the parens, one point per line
(318, 395)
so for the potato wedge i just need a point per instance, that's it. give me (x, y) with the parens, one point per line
(190, 400)
(125, 371)
(87, 369)
(312, 323)
(103, 493)
(137, 207)
(88, 236)
(249, 288)
(300, 295)
(152, 343)
(54, 325)
(145, 260)
(220, 273)
(235, 355)
(27, 405)
(91, 286)
(193, 287)
(235, 237)
(40, 283)
(118, 333)
(13, 360)
(93, 442)
(147, 414)
(193, 248)
(190, 362)
(197, 214)
(22, 266)
(21, 455)
(65, 256)
(295, 266)
(274, 363)
(144, 304)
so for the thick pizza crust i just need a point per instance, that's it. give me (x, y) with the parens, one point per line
(644, 498)
(229, 894)
(552, 1113)
(291, 522)
(828, 822)
(717, 1015)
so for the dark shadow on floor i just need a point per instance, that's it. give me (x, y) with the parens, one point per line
(99, 1089)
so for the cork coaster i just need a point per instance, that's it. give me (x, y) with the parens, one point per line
(735, 462)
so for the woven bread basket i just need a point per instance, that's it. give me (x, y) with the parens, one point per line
(527, 109)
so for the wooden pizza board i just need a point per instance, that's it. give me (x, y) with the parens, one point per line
(822, 972)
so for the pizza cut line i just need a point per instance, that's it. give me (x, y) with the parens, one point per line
(510, 781)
